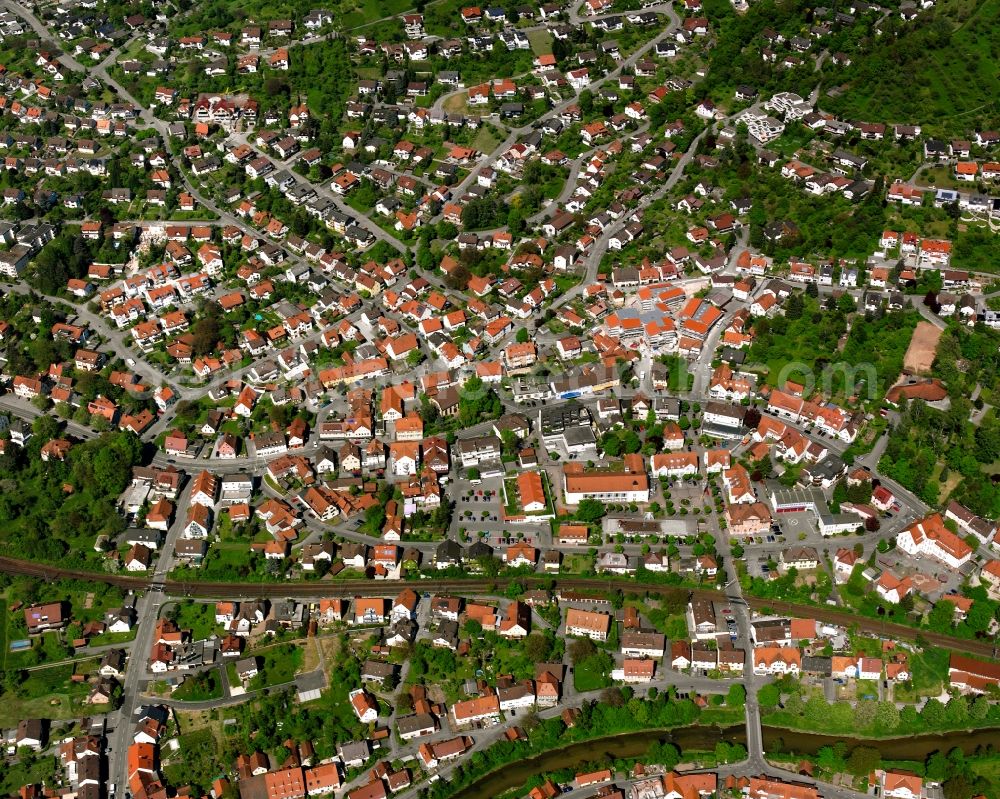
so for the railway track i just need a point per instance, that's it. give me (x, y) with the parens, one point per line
(489, 585)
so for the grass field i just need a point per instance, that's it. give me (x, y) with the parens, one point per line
(3, 633)
(196, 760)
(940, 177)
(485, 141)
(280, 664)
(48, 693)
(541, 42)
(198, 617)
(988, 768)
(277, 664)
(200, 687)
(589, 675)
(46, 648)
(577, 563)
(14, 775)
(114, 638)
(368, 11)
(457, 103)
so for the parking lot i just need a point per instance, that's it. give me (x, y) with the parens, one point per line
(795, 524)
(931, 578)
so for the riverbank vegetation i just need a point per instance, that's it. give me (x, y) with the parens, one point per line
(962, 775)
(618, 711)
(791, 703)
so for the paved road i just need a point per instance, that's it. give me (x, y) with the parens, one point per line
(147, 612)
(121, 341)
(25, 410)
(517, 133)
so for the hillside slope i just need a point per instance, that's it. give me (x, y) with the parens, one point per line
(941, 71)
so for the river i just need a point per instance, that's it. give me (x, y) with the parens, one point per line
(697, 738)
(630, 744)
(915, 747)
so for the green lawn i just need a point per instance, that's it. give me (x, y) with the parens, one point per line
(679, 378)
(14, 775)
(577, 563)
(367, 11)
(929, 670)
(592, 673)
(512, 507)
(226, 561)
(200, 687)
(486, 140)
(988, 768)
(277, 664)
(114, 638)
(721, 716)
(198, 617)
(196, 762)
(541, 42)
(3, 632)
(46, 648)
(48, 693)
(672, 625)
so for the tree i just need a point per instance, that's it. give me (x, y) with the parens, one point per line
(887, 716)
(987, 437)
(794, 307)
(665, 754)
(477, 402)
(458, 278)
(375, 519)
(959, 787)
(832, 758)
(523, 336)
(864, 714)
(817, 709)
(937, 768)
(980, 616)
(737, 695)
(205, 335)
(425, 258)
(769, 696)
(980, 708)
(612, 697)
(957, 711)
(581, 649)
(933, 713)
(537, 647)
(795, 705)
(590, 511)
(45, 427)
(942, 616)
(863, 760)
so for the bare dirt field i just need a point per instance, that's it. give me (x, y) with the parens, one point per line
(920, 354)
